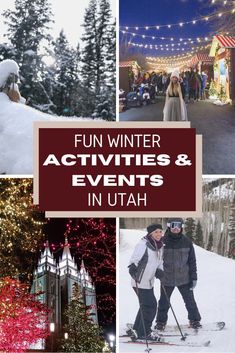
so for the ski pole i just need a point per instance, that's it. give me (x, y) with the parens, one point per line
(183, 337)
(148, 349)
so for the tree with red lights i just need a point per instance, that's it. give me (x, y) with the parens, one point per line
(23, 319)
(92, 240)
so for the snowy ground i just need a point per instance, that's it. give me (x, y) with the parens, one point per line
(214, 295)
(16, 135)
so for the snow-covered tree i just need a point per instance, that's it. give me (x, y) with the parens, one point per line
(98, 57)
(231, 230)
(210, 242)
(83, 334)
(198, 239)
(189, 228)
(89, 51)
(64, 76)
(27, 29)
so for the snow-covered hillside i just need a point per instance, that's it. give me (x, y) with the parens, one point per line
(214, 295)
(16, 131)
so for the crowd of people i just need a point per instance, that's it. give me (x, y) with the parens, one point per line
(170, 258)
(193, 83)
(180, 88)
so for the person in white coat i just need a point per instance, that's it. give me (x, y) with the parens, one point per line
(175, 108)
(146, 264)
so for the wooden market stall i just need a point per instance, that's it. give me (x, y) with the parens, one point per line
(223, 51)
(128, 74)
(203, 62)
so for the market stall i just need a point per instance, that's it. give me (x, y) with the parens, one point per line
(203, 62)
(223, 51)
(128, 73)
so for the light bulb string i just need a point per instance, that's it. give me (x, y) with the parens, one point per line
(162, 38)
(182, 23)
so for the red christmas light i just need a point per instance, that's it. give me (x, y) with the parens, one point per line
(23, 319)
(94, 241)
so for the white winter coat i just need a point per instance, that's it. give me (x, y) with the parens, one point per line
(154, 261)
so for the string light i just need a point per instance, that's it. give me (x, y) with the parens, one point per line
(21, 226)
(23, 319)
(162, 38)
(194, 21)
(167, 47)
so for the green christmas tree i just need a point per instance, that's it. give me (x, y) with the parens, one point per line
(199, 235)
(222, 94)
(83, 335)
(190, 228)
(212, 89)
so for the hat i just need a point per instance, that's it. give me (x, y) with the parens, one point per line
(152, 227)
(175, 220)
(175, 73)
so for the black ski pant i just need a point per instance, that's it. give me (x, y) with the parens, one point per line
(148, 306)
(189, 301)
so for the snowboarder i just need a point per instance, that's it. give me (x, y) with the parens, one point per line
(9, 76)
(175, 108)
(180, 270)
(145, 264)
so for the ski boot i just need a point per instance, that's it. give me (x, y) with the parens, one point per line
(131, 332)
(153, 337)
(160, 326)
(195, 324)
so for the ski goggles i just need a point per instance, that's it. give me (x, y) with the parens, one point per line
(173, 225)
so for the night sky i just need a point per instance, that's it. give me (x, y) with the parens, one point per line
(152, 12)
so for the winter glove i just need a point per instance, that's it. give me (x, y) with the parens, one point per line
(192, 285)
(159, 274)
(133, 270)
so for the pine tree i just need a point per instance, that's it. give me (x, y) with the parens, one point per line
(98, 56)
(231, 230)
(27, 28)
(210, 242)
(199, 235)
(189, 228)
(89, 52)
(106, 63)
(83, 334)
(65, 76)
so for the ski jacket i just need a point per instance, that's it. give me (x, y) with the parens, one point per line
(147, 258)
(179, 260)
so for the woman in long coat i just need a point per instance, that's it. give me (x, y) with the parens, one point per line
(175, 108)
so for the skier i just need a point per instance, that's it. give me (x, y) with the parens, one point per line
(9, 76)
(180, 270)
(145, 264)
